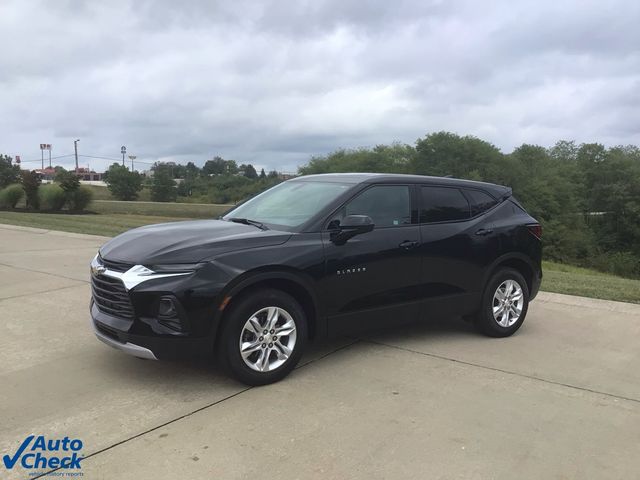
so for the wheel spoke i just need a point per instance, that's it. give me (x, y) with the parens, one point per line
(504, 320)
(286, 329)
(509, 289)
(253, 325)
(283, 350)
(263, 361)
(249, 347)
(272, 317)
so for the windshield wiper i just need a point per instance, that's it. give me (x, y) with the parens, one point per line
(246, 221)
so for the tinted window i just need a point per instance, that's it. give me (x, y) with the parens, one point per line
(479, 201)
(440, 204)
(388, 206)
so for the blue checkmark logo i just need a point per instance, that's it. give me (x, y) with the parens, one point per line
(10, 462)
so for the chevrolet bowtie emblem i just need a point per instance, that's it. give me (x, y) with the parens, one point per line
(98, 269)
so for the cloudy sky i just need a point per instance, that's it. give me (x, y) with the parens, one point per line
(274, 82)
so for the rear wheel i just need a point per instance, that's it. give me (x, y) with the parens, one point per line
(504, 304)
(263, 337)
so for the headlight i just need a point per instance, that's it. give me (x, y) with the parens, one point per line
(176, 268)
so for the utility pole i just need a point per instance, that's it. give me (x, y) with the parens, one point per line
(75, 147)
(132, 158)
(42, 147)
(123, 151)
(49, 155)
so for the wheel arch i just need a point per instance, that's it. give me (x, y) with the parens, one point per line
(293, 282)
(518, 262)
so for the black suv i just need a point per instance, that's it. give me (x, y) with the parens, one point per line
(315, 256)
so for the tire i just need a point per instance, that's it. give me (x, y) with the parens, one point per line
(506, 321)
(264, 361)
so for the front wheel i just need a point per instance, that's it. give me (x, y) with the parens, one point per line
(504, 304)
(263, 337)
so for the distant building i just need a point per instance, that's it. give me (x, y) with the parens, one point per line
(48, 174)
(89, 175)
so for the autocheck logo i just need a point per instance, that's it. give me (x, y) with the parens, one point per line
(37, 452)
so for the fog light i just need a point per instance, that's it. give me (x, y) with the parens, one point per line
(167, 309)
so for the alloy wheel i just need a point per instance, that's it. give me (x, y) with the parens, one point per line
(267, 339)
(508, 301)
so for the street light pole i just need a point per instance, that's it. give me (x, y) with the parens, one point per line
(49, 156)
(75, 147)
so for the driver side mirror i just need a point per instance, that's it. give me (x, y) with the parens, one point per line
(349, 227)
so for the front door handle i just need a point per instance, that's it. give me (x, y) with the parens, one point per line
(484, 231)
(408, 244)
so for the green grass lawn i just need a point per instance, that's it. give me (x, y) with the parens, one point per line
(104, 224)
(121, 216)
(186, 210)
(560, 278)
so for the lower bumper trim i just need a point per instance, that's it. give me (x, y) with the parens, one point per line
(128, 348)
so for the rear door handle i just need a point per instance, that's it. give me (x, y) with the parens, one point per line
(484, 231)
(408, 244)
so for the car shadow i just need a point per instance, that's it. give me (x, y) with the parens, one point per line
(191, 370)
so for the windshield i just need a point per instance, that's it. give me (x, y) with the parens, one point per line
(289, 204)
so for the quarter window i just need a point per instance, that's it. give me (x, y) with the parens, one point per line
(442, 204)
(387, 205)
(479, 201)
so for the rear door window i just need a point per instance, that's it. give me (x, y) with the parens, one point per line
(443, 204)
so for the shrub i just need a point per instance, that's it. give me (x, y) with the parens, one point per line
(623, 264)
(52, 197)
(11, 195)
(80, 198)
(31, 184)
(69, 181)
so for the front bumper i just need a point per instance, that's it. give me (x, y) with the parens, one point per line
(155, 347)
(127, 317)
(126, 347)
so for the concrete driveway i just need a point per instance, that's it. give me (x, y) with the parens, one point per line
(559, 400)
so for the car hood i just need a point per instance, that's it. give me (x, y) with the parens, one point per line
(186, 242)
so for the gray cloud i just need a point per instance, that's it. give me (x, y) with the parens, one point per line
(275, 82)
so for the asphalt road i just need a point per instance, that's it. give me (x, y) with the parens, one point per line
(559, 400)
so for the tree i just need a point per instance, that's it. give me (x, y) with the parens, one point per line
(8, 173)
(446, 153)
(262, 174)
(31, 183)
(220, 166)
(69, 181)
(122, 183)
(191, 170)
(394, 158)
(249, 171)
(163, 187)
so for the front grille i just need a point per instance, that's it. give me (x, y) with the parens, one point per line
(111, 297)
(115, 266)
(108, 331)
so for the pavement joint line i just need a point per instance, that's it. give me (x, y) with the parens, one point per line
(40, 292)
(47, 250)
(44, 273)
(188, 414)
(508, 372)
